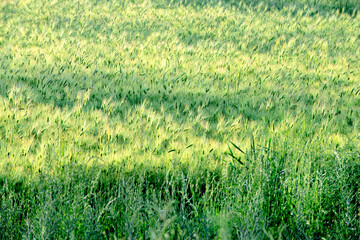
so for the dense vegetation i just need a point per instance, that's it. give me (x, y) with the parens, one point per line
(179, 120)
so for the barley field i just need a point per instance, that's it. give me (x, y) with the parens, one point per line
(170, 119)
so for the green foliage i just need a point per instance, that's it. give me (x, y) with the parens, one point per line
(179, 119)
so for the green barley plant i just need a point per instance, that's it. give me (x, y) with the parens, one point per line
(169, 119)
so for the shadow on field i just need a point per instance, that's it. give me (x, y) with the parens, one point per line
(116, 97)
(202, 104)
(102, 201)
(117, 201)
(322, 7)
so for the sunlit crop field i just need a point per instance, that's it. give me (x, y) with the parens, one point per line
(179, 120)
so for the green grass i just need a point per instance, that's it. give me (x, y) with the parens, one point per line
(118, 119)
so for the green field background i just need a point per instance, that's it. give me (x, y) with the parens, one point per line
(179, 119)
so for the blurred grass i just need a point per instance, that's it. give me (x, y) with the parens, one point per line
(116, 118)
